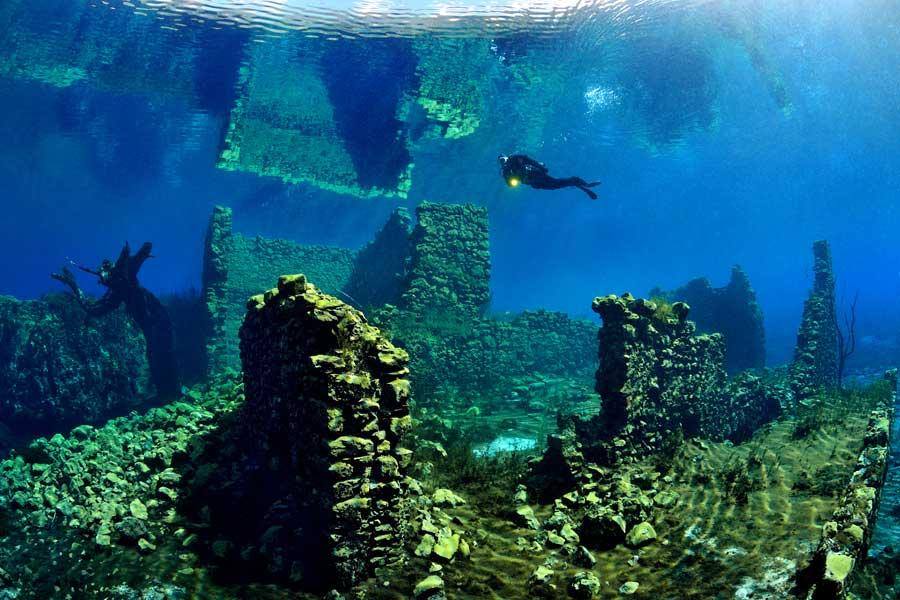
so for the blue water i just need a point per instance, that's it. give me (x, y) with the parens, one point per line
(723, 134)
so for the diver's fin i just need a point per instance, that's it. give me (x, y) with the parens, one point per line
(592, 184)
(590, 193)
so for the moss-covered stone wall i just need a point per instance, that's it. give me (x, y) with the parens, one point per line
(57, 369)
(732, 311)
(450, 266)
(326, 407)
(656, 377)
(474, 361)
(237, 267)
(847, 534)
(379, 270)
(652, 366)
(815, 358)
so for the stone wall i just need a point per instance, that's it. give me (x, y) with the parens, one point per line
(656, 377)
(236, 267)
(658, 383)
(450, 267)
(58, 370)
(379, 270)
(732, 311)
(815, 358)
(326, 407)
(653, 368)
(476, 359)
(217, 248)
(847, 534)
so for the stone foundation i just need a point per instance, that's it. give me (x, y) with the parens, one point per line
(847, 535)
(732, 311)
(326, 406)
(815, 359)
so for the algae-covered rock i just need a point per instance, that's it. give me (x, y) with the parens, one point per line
(445, 497)
(629, 587)
(524, 517)
(138, 510)
(60, 370)
(584, 558)
(838, 567)
(430, 588)
(584, 586)
(666, 499)
(601, 528)
(446, 545)
(640, 535)
(540, 583)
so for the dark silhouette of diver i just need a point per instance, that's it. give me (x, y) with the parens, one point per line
(122, 287)
(519, 168)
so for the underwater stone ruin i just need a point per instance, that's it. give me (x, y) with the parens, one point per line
(450, 268)
(657, 376)
(57, 370)
(815, 365)
(658, 382)
(236, 267)
(847, 534)
(428, 285)
(326, 405)
(731, 310)
(379, 270)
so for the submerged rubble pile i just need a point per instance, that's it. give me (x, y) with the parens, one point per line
(57, 370)
(815, 365)
(115, 485)
(659, 383)
(732, 311)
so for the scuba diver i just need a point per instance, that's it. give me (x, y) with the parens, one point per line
(122, 287)
(519, 168)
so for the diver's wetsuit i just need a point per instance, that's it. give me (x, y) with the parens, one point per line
(519, 168)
